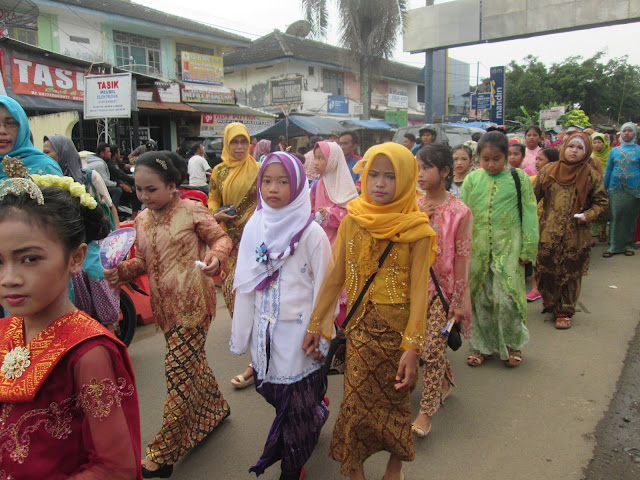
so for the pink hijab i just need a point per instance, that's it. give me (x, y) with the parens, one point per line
(335, 186)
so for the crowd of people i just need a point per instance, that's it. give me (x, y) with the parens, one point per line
(382, 253)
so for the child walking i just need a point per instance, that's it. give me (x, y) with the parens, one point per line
(68, 399)
(172, 233)
(453, 223)
(462, 163)
(387, 329)
(574, 195)
(502, 243)
(330, 196)
(544, 157)
(282, 259)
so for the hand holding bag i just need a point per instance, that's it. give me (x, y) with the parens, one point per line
(338, 341)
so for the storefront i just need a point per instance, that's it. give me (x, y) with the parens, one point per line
(44, 82)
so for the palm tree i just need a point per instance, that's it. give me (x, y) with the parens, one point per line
(369, 31)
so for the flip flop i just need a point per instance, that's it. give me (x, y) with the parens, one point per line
(239, 382)
(608, 254)
(629, 253)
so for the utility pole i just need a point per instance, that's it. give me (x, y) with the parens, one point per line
(428, 81)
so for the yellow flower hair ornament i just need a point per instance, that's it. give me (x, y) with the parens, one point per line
(21, 182)
(76, 189)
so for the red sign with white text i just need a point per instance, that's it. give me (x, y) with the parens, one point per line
(43, 80)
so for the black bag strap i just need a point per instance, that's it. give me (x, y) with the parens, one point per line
(439, 290)
(516, 179)
(367, 284)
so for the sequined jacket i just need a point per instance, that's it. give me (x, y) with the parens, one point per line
(168, 243)
(399, 292)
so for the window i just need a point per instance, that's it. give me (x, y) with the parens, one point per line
(333, 82)
(137, 53)
(183, 47)
(25, 35)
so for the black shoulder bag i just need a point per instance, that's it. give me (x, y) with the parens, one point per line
(454, 340)
(337, 341)
(528, 267)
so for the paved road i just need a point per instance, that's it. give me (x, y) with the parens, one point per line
(534, 422)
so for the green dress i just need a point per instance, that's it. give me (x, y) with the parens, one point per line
(496, 278)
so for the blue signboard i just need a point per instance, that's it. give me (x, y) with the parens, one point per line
(483, 101)
(337, 104)
(498, 97)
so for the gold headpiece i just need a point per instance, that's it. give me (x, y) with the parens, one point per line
(162, 163)
(19, 181)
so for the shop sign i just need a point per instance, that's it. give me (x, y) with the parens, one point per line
(201, 68)
(107, 96)
(286, 90)
(401, 117)
(215, 123)
(202, 94)
(338, 104)
(44, 80)
(481, 101)
(398, 101)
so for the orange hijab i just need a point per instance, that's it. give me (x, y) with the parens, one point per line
(400, 220)
(242, 173)
(566, 172)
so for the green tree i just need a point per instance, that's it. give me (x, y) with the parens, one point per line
(369, 31)
(610, 89)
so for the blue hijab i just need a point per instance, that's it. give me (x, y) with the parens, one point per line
(34, 160)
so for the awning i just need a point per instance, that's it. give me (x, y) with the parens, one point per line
(229, 109)
(300, 126)
(369, 124)
(173, 107)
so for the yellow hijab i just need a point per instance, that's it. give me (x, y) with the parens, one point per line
(243, 173)
(400, 220)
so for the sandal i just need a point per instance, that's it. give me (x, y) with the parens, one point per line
(239, 382)
(476, 359)
(629, 253)
(418, 431)
(602, 237)
(608, 254)
(563, 323)
(515, 357)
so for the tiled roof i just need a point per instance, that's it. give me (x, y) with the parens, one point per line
(133, 10)
(281, 46)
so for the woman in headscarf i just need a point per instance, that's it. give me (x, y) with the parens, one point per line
(263, 148)
(233, 184)
(601, 151)
(91, 292)
(15, 140)
(622, 181)
(386, 332)
(574, 196)
(62, 150)
(233, 187)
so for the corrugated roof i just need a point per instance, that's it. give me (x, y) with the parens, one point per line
(281, 46)
(141, 12)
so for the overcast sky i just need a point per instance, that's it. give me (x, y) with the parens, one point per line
(255, 18)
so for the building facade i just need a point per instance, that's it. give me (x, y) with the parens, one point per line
(177, 62)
